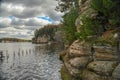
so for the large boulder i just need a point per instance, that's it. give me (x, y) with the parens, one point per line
(79, 62)
(77, 49)
(102, 67)
(76, 58)
(72, 70)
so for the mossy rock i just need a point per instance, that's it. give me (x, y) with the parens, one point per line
(89, 75)
(62, 54)
(66, 76)
(107, 39)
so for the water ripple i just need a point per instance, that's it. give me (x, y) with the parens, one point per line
(26, 61)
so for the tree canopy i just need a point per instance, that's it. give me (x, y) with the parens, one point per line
(70, 10)
(47, 30)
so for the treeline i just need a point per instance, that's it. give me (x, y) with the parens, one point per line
(13, 40)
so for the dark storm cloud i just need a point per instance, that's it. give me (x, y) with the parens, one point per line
(27, 13)
(29, 3)
(33, 8)
(32, 22)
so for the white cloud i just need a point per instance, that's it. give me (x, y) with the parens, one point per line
(13, 32)
(29, 23)
(36, 22)
(25, 15)
(5, 22)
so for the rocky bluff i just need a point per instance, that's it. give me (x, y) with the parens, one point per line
(83, 61)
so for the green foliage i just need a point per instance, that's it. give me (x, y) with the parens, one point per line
(68, 26)
(89, 28)
(103, 6)
(96, 4)
(109, 8)
(108, 18)
(48, 31)
(70, 8)
(107, 4)
(36, 33)
(102, 42)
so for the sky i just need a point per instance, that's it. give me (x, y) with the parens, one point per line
(20, 18)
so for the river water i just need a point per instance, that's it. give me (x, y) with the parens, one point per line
(27, 61)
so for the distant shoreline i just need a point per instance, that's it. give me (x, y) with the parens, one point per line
(9, 40)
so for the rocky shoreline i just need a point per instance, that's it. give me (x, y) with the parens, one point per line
(103, 64)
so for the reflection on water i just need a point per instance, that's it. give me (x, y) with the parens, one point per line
(26, 61)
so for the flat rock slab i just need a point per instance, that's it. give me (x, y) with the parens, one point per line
(79, 62)
(106, 57)
(104, 49)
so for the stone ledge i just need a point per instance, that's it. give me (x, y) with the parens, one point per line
(106, 57)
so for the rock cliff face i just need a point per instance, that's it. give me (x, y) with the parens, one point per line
(85, 62)
(46, 39)
(85, 10)
(81, 63)
(41, 39)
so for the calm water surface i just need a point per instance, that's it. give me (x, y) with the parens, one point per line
(27, 61)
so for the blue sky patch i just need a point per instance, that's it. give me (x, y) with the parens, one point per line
(46, 18)
(11, 17)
